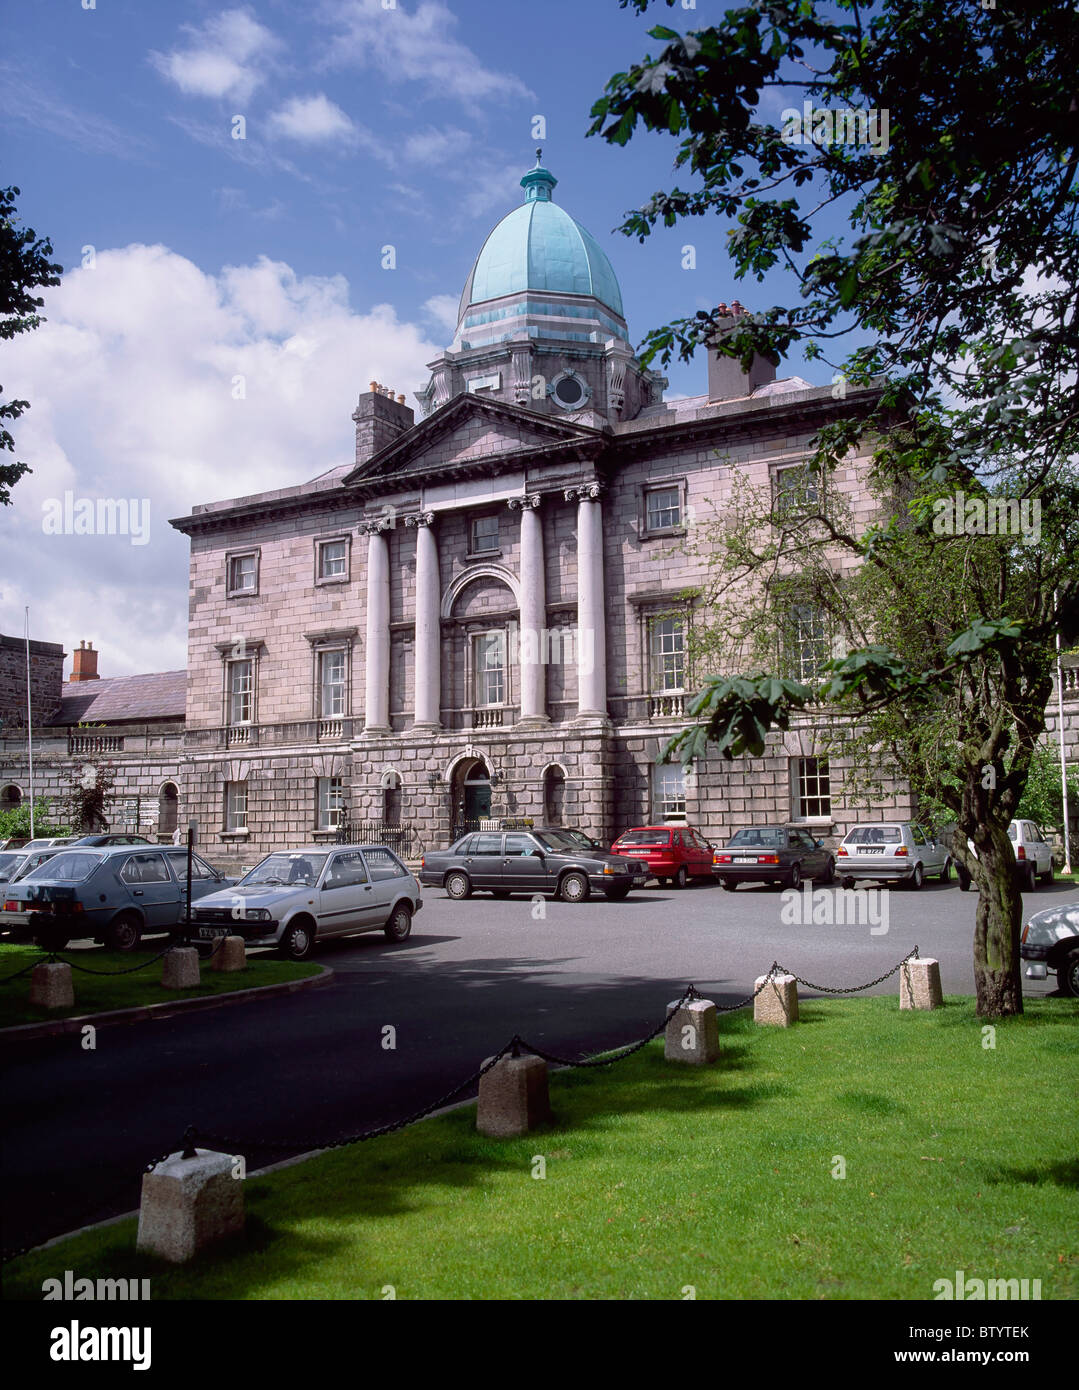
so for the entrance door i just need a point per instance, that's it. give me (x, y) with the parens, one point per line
(477, 801)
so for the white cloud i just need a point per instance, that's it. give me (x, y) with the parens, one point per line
(443, 309)
(226, 57)
(415, 46)
(312, 120)
(122, 408)
(435, 147)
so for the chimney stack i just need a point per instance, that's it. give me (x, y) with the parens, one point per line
(380, 418)
(726, 379)
(84, 663)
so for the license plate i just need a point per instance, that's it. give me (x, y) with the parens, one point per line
(871, 849)
(639, 878)
(207, 933)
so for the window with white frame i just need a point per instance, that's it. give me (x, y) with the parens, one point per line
(331, 802)
(235, 805)
(812, 789)
(667, 645)
(809, 642)
(483, 534)
(797, 490)
(332, 559)
(663, 508)
(241, 691)
(243, 573)
(668, 791)
(332, 684)
(489, 666)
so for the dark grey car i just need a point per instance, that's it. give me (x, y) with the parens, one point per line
(542, 860)
(781, 854)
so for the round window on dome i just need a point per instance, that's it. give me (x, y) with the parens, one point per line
(570, 391)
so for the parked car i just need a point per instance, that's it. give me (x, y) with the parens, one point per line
(10, 862)
(541, 860)
(294, 897)
(24, 862)
(675, 853)
(111, 839)
(47, 842)
(1050, 941)
(895, 852)
(1033, 857)
(585, 841)
(112, 894)
(779, 854)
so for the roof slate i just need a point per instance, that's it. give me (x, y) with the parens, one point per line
(162, 695)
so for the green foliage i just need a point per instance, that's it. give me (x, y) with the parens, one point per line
(15, 821)
(1043, 800)
(88, 795)
(24, 266)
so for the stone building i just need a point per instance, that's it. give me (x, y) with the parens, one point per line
(486, 612)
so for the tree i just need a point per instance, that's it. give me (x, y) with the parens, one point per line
(1043, 799)
(24, 266)
(15, 821)
(925, 210)
(89, 792)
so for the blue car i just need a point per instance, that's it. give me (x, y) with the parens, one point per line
(112, 894)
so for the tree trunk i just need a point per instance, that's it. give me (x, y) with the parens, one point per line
(998, 920)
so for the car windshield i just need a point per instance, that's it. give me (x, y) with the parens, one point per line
(286, 868)
(874, 835)
(558, 840)
(767, 837)
(644, 837)
(1013, 831)
(68, 867)
(8, 864)
(579, 838)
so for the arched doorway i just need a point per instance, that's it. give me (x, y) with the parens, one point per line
(471, 795)
(168, 802)
(10, 797)
(554, 795)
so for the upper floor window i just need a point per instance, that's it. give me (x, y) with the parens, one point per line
(243, 573)
(663, 508)
(797, 490)
(490, 668)
(332, 562)
(241, 691)
(667, 639)
(332, 684)
(809, 643)
(483, 534)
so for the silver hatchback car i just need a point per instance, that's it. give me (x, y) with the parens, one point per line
(895, 851)
(296, 896)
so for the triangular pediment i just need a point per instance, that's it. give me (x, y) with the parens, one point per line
(469, 431)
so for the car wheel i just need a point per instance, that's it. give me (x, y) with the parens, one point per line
(124, 933)
(1030, 880)
(1068, 974)
(846, 881)
(795, 880)
(964, 880)
(458, 885)
(400, 923)
(298, 940)
(681, 878)
(52, 940)
(829, 873)
(573, 888)
(946, 872)
(1049, 874)
(917, 878)
(729, 884)
(616, 895)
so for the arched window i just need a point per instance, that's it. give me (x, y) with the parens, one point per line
(391, 799)
(10, 797)
(554, 795)
(168, 803)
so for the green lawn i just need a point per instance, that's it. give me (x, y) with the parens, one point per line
(97, 994)
(661, 1176)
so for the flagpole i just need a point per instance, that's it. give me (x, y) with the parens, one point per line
(29, 723)
(1063, 758)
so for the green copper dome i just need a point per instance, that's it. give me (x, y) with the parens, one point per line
(539, 248)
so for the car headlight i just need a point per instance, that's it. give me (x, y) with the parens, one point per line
(252, 914)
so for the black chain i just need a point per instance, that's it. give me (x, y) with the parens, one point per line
(628, 1051)
(25, 971)
(852, 989)
(54, 958)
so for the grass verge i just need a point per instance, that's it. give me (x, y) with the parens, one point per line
(958, 1156)
(100, 993)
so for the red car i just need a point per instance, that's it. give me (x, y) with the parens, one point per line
(675, 853)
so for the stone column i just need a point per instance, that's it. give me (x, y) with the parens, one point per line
(531, 645)
(428, 709)
(591, 618)
(377, 656)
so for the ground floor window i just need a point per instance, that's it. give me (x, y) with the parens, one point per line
(812, 789)
(331, 801)
(236, 806)
(167, 808)
(668, 791)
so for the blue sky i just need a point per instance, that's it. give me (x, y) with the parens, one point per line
(193, 258)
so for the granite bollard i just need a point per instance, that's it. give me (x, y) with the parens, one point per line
(513, 1097)
(919, 984)
(230, 954)
(180, 968)
(692, 1033)
(51, 986)
(777, 1002)
(188, 1204)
